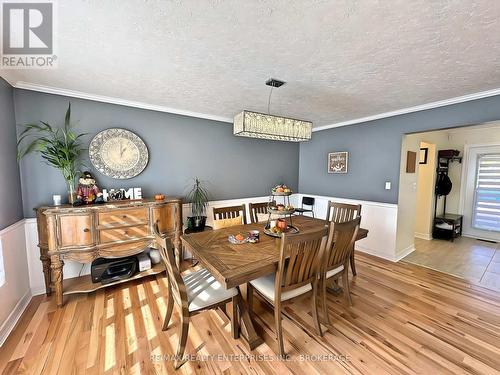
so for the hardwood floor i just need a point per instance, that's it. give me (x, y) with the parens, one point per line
(405, 319)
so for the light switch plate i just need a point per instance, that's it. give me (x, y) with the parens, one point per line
(388, 185)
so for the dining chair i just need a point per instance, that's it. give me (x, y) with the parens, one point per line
(340, 213)
(298, 273)
(192, 293)
(231, 212)
(306, 201)
(257, 209)
(341, 237)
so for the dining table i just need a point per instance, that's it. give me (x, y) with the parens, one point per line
(233, 265)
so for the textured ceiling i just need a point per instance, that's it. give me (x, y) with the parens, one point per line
(342, 59)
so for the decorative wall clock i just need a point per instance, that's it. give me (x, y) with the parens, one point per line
(118, 153)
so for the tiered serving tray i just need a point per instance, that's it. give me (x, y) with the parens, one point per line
(283, 214)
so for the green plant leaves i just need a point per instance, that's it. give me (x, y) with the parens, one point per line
(60, 148)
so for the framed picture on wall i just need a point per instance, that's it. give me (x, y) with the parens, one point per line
(337, 162)
(423, 155)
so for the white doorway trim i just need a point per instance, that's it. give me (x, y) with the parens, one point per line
(465, 190)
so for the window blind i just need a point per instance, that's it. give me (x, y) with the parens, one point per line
(486, 210)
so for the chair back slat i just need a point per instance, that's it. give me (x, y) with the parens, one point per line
(258, 208)
(342, 212)
(167, 253)
(341, 238)
(230, 213)
(300, 258)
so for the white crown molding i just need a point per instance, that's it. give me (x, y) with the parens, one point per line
(159, 108)
(111, 100)
(423, 107)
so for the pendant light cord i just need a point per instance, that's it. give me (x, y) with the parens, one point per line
(269, 101)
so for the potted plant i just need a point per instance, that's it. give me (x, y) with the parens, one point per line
(61, 148)
(198, 197)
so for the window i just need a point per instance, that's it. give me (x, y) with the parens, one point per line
(486, 210)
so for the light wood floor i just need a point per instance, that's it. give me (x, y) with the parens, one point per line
(474, 260)
(406, 319)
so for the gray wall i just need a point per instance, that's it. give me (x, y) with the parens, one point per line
(180, 148)
(375, 150)
(10, 185)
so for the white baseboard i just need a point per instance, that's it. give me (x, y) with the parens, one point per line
(423, 236)
(10, 323)
(401, 254)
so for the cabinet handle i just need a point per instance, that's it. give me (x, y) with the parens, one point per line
(124, 216)
(86, 230)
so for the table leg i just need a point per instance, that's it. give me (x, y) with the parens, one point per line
(334, 287)
(56, 267)
(46, 269)
(247, 329)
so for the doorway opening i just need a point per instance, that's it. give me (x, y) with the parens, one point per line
(452, 202)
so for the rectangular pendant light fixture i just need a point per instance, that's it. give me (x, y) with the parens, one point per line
(260, 125)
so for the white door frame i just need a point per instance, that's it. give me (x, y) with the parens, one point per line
(464, 186)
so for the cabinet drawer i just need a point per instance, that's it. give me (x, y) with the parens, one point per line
(123, 234)
(123, 217)
(75, 230)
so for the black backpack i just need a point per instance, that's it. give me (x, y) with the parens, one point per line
(443, 185)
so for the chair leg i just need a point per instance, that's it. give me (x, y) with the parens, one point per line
(183, 335)
(345, 284)
(170, 307)
(353, 265)
(223, 309)
(279, 329)
(326, 316)
(235, 323)
(250, 299)
(314, 308)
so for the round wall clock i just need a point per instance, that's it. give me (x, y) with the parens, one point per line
(118, 153)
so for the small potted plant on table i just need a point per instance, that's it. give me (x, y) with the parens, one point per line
(198, 197)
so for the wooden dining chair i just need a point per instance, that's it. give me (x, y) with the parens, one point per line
(341, 237)
(256, 209)
(193, 293)
(298, 272)
(340, 213)
(222, 213)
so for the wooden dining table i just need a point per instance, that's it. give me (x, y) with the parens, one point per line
(234, 265)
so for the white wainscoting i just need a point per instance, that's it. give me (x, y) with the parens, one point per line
(379, 218)
(15, 292)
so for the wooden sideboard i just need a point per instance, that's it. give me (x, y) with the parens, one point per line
(107, 230)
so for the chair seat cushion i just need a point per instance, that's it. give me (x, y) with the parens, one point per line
(204, 290)
(334, 271)
(265, 286)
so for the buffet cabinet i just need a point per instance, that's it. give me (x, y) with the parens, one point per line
(107, 230)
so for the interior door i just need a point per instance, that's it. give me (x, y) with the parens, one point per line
(482, 194)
